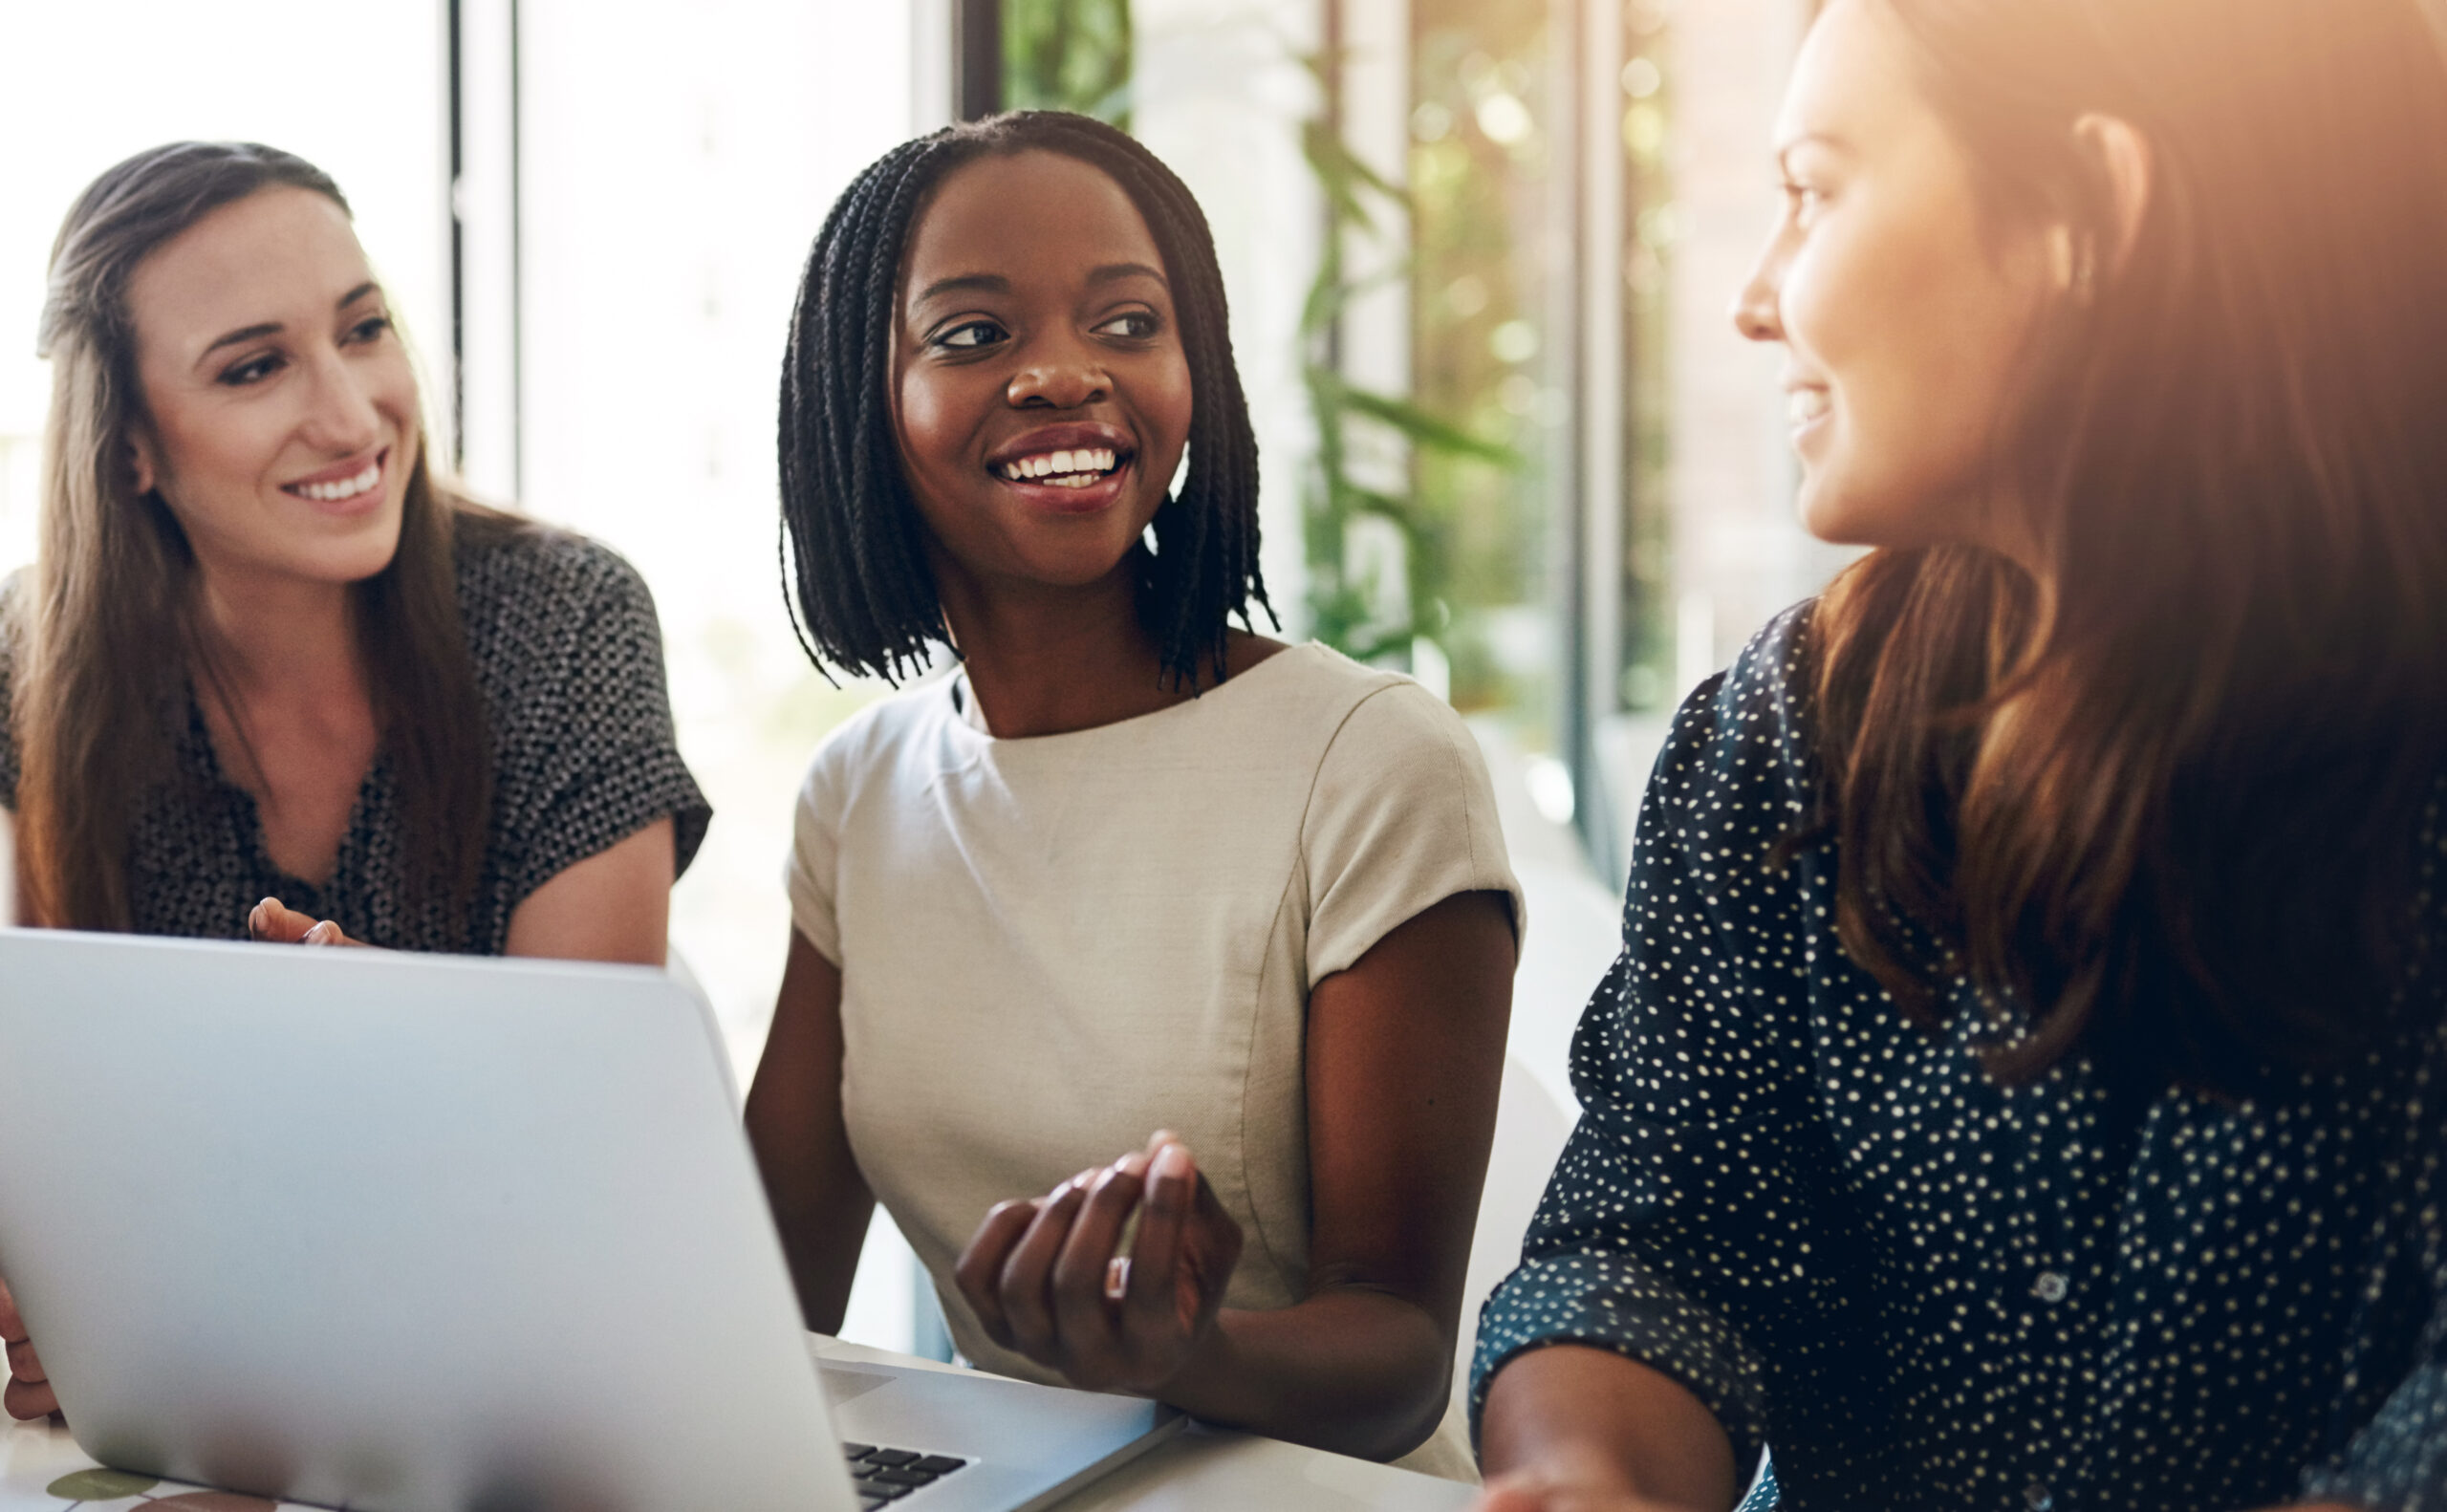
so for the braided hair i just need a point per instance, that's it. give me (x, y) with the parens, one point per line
(853, 548)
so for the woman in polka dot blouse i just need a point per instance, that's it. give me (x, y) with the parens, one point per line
(2021, 1084)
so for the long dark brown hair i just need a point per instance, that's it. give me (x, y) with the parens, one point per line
(2163, 793)
(107, 642)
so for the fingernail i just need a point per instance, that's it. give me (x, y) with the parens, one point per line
(1134, 1163)
(1174, 1163)
(321, 934)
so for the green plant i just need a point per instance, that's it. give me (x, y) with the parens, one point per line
(1343, 613)
(1068, 54)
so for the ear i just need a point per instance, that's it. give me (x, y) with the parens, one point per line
(141, 462)
(2120, 157)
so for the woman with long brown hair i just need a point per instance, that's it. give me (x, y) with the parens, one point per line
(2020, 1084)
(266, 674)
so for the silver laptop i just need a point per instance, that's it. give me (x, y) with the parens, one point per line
(409, 1234)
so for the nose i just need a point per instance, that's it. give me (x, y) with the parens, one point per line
(1061, 377)
(1755, 310)
(343, 417)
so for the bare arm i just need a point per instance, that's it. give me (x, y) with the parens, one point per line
(1404, 1057)
(1570, 1426)
(1573, 1429)
(614, 905)
(820, 1203)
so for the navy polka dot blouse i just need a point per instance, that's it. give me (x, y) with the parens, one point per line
(1922, 1290)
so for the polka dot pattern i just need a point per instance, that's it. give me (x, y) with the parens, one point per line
(1924, 1289)
(569, 656)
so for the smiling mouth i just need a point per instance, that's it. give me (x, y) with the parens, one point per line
(340, 491)
(1078, 467)
(1806, 406)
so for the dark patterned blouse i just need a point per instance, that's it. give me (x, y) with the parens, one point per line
(569, 656)
(1922, 1289)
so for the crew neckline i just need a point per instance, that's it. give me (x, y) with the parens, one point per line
(963, 704)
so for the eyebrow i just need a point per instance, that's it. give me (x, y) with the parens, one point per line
(997, 284)
(244, 333)
(1812, 139)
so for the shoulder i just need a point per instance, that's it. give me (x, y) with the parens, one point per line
(520, 569)
(544, 609)
(871, 742)
(1744, 746)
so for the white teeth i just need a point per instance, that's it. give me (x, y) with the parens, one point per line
(1809, 403)
(1065, 470)
(345, 489)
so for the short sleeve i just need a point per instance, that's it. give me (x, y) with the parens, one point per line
(591, 757)
(1400, 818)
(810, 876)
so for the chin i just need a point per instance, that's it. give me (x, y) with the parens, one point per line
(356, 556)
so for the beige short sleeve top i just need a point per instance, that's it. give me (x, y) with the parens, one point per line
(1051, 947)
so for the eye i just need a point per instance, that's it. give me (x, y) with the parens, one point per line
(254, 370)
(1132, 325)
(970, 335)
(370, 328)
(1803, 202)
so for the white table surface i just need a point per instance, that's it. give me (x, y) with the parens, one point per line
(1202, 1470)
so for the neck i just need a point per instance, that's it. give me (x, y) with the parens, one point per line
(1047, 661)
(272, 633)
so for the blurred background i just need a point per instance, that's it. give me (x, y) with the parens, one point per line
(1479, 253)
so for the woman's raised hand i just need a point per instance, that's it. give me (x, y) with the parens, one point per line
(275, 923)
(29, 1394)
(1048, 1279)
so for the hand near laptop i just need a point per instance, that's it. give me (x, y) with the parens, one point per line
(1048, 1277)
(275, 923)
(29, 1393)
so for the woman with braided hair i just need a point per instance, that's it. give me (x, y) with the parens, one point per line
(1129, 880)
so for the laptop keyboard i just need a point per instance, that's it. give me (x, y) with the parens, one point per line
(887, 1474)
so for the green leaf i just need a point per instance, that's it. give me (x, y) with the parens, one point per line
(99, 1485)
(1428, 430)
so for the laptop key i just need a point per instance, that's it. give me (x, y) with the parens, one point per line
(902, 1476)
(938, 1464)
(856, 1451)
(891, 1457)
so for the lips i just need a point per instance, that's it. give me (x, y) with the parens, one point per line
(353, 483)
(1070, 470)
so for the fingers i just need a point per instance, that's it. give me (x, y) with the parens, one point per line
(27, 1395)
(979, 1271)
(1148, 1306)
(1028, 1274)
(13, 1327)
(276, 923)
(27, 1401)
(1081, 1312)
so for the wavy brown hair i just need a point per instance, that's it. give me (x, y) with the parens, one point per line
(2163, 791)
(106, 639)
